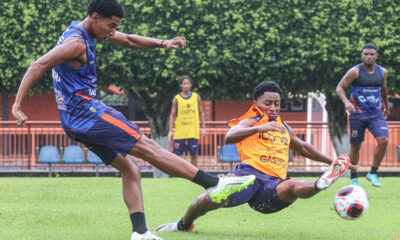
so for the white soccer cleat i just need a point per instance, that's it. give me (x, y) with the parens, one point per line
(337, 168)
(228, 185)
(167, 227)
(145, 236)
(171, 227)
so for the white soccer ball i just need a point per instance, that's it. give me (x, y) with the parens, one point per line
(351, 202)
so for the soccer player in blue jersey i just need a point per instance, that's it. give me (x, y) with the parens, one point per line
(368, 83)
(102, 129)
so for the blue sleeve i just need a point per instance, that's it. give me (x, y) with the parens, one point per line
(289, 128)
(75, 35)
(256, 118)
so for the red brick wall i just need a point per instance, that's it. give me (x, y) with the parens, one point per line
(43, 107)
(38, 107)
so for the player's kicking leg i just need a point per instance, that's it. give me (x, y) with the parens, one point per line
(228, 185)
(217, 188)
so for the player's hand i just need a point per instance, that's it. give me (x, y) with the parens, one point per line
(271, 126)
(350, 108)
(353, 167)
(386, 112)
(20, 117)
(175, 43)
(171, 136)
(203, 132)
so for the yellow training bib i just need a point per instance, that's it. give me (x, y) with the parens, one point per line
(187, 120)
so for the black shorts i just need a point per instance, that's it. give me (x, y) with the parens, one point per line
(262, 195)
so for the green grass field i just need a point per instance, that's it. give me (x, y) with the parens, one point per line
(93, 208)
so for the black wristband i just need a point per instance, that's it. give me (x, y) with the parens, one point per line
(162, 41)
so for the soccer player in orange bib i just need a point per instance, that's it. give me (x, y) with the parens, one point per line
(263, 141)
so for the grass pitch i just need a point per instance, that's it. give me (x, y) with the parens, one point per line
(93, 208)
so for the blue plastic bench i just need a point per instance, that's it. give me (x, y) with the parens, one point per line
(73, 154)
(229, 154)
(94, 159)
(49, 155)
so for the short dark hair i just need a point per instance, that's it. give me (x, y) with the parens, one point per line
(106, 8)
(369, 46)
(266, 87)
(185, 77)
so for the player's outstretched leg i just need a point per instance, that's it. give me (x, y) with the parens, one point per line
(173, 227)
(337, 168)
(145, 236)
(211, 200)
(229, 185)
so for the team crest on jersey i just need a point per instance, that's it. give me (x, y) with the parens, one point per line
(354, 133)
(93, 109)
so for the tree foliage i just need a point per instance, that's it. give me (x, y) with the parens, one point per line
(29, 29)
(232, 45)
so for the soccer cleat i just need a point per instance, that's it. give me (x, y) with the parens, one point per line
(145, 236)
(337, 168)
(373, 178)
(172, 227)
(354, 181)
(228, 185)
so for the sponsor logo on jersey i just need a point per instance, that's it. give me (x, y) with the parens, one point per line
(273, 160)
(274, 138)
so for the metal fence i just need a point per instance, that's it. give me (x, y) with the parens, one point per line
(19, 147)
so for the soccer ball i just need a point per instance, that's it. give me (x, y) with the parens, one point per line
(351, 202)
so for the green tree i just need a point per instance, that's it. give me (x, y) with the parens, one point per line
(29, 29)
(232, 46)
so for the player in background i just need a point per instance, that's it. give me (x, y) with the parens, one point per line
(185, 113)
(368, 83)
(104, 130)
(263, 141)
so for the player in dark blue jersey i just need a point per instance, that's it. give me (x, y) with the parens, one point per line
(368, 83)
(102, 129)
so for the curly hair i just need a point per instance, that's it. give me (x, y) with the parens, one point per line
(266, 86)
(369, 46)
(106, 8)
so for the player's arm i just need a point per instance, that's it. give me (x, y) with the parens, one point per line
(347, 79)
(201, 115)
(72, 48)
(307, 150)
(384, 93)
(172, 119)
(245, 129)
(141, 42)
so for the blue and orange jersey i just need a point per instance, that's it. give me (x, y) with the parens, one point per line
(75, 88)
(366, 89)
(266, 152)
